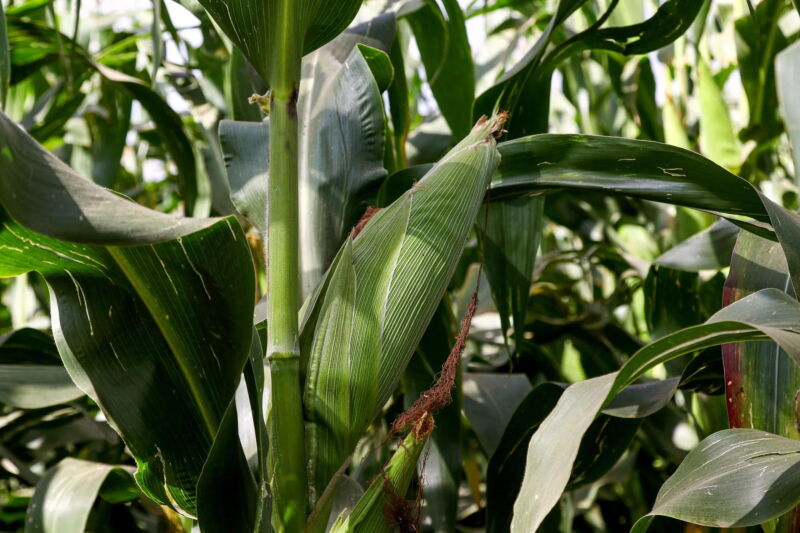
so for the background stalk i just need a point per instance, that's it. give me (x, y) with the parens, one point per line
(286, 451)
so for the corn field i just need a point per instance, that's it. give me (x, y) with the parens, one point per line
(310, 266)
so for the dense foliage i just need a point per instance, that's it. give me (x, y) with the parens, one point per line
(399, 265)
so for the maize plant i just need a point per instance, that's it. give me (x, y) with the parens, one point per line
(309, 266)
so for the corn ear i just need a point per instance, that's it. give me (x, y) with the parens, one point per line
(380, 294)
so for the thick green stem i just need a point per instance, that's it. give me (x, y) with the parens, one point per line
(287, 450)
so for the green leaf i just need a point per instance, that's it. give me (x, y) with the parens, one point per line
(767, 314)
(36, 386)
(64, 497)
(510, 242)
(663, 173)
(379, 64)
(506, 464)
(734, 478)
(551, 458)
(788, 73)
(759, 376)
(490, 400)
(445, 52)
(155, 311)
(709, 249)
(718, 139)
(227, 493)
(341, 149)
(385, 286)
(253, 25)
(245, 148)
(642, 399)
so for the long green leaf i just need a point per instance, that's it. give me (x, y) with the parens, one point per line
(64, 497)
(445, 52)
(384, 287)
(156, 311)
(788, 73)
(662, 173)
(510, 241)
(36, 386)
(760, 379)
(767, 314)
(734, 478)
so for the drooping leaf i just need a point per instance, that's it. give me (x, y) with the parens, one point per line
(544, 162)
(227, 500)
(734, 478)
(150, 310)
(385, 285)
(767, 314)
(510, 232)
(662, 173)
(36, 386)
(64, 497)
(379, 64)
(253, 25)
(642, 399)
(547, 455)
